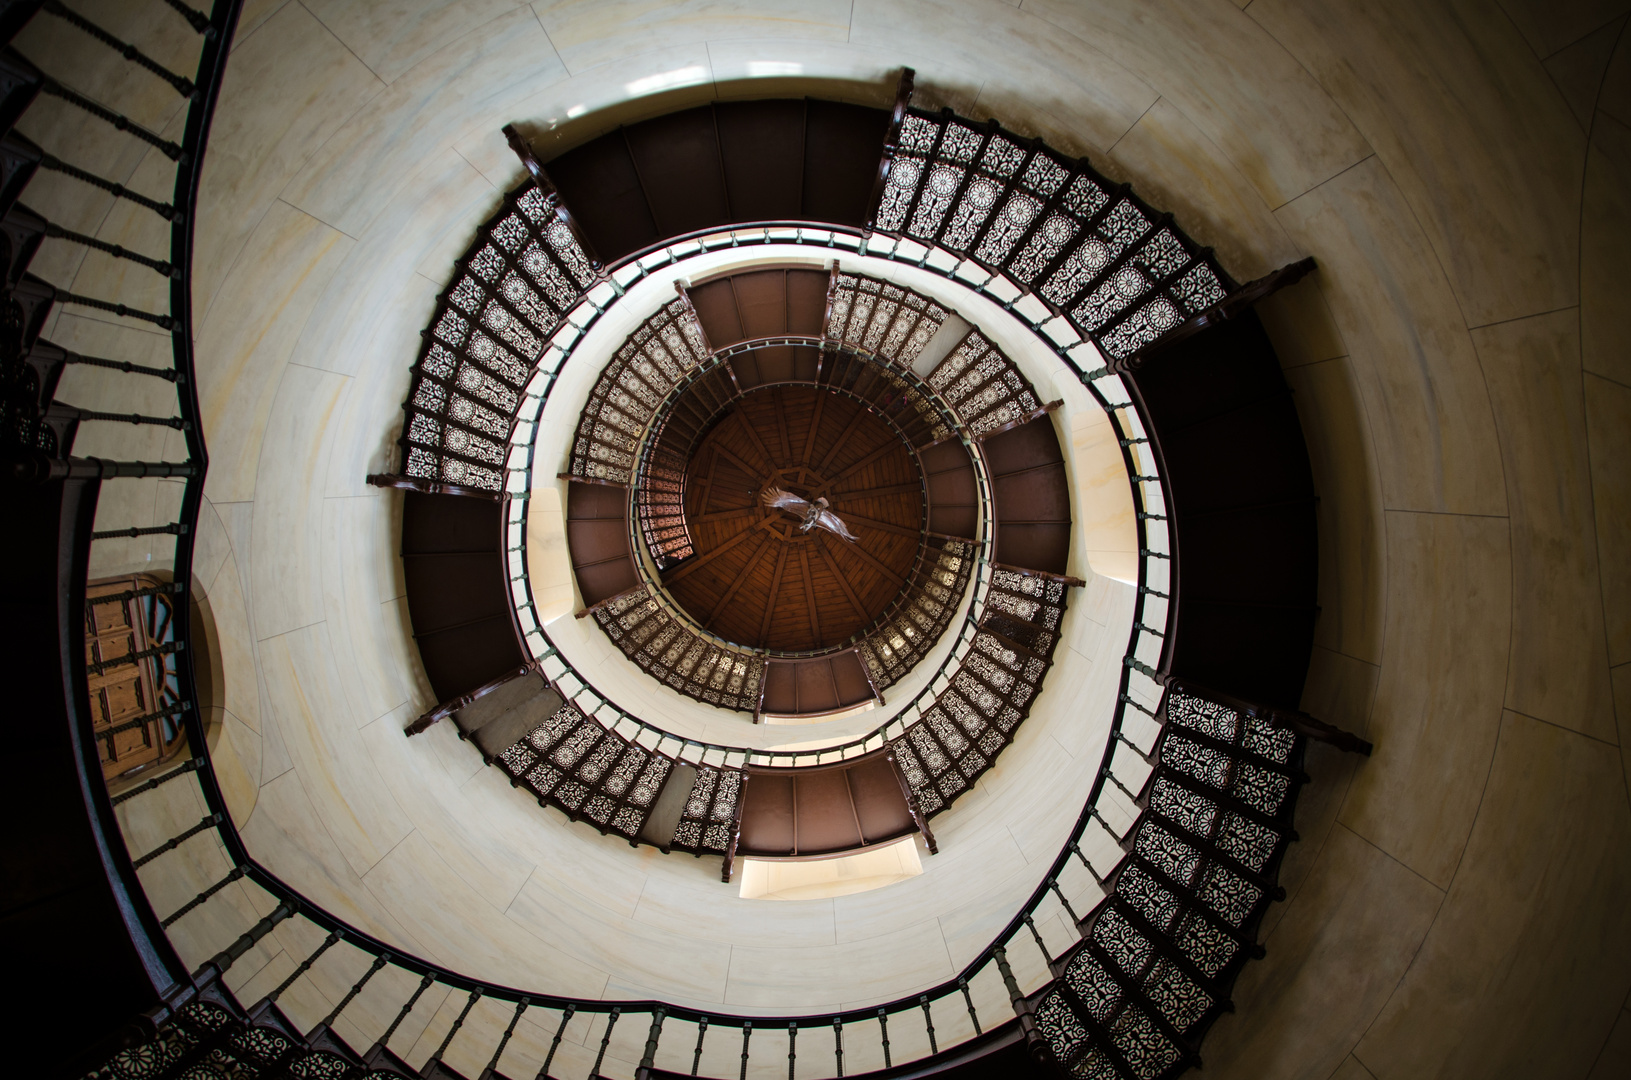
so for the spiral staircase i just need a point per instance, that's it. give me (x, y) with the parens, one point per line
(1198, 784)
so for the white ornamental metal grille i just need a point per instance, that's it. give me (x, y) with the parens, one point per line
(587, 771)
(1179, 911)
(631, 388)
(674, 654)
(972, 719)
(976, 379)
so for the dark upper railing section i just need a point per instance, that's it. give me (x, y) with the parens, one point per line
(795, 160)
(508, 294)
(1244, 560)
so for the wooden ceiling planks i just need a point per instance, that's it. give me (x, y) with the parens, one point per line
(794, 591)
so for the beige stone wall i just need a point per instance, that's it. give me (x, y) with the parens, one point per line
(1462, 366)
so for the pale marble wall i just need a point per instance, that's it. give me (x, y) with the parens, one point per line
(1462, 367)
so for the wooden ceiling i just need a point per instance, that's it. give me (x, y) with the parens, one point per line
(755, 579)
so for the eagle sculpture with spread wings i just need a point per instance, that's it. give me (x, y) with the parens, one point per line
(810, 514)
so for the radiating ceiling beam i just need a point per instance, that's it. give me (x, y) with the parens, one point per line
(865, 556)
(696, 562)
(770, 594)
(882, 526)
(741, 579)
(843, 436)
(843, 581)
(809, 597)
(888, 489)
(855, 468)
(815, 428)
(753, 437)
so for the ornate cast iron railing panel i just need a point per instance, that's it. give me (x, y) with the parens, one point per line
(1179, 920)
(975, 380)
(524, 271)
(878, 317)
(588, 772)
(1053, 225)
(640, 375)
(979, 381)
(664, 647)
(975, 717)
(931, 602)
(709, 818)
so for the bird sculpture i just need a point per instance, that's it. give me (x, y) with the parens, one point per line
(810, 514)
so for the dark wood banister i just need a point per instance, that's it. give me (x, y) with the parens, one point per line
(465, 700)
(552, 195)
(891, 143)
(427, 487)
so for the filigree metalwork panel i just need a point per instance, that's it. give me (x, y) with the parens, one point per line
(1247, 842)
(1064, 1030)
(1205, 763)
(1207, 717)
(1143, 1045)
(1147, 896)
(1129, 949)
(646, 367)
(1095, 1065)
(1122, 273)
(572, 762)
(1096, 987)
(1261, 788)
(983, 386)
(904, 638)
(983, 704)
(1183, 807)
(1269, 740)
(1168, 854)
(1176, 995)
(508, 294)
(989, 694)
(710, 811)
(1229, 894)
(886, 320)
(669, 650)
(1207, 947)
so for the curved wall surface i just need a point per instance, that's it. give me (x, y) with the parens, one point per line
(1461, 367)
